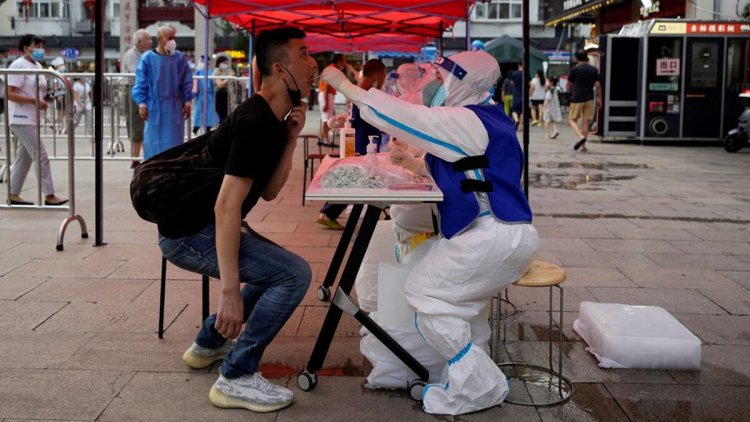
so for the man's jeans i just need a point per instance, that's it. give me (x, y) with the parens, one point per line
(275, 281)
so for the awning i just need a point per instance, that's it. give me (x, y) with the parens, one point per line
(347, 20)
(374, 43)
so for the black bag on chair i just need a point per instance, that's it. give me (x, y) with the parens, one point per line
(163, 184)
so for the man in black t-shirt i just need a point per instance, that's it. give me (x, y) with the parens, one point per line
(585, 80)
(253, 148)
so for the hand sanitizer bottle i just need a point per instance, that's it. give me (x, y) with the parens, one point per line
(347, 139)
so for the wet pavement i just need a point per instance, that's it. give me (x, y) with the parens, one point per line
(644, 225)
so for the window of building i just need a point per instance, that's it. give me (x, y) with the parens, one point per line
(498, 10)
(115, 11)
(45, 9)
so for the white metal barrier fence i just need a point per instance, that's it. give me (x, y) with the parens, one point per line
(59, 90)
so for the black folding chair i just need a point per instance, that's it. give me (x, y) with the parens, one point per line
(163, 292)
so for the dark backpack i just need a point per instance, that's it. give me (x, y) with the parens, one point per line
(163, 185)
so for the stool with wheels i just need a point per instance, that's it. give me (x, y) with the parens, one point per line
(555, 387)
(162, 293)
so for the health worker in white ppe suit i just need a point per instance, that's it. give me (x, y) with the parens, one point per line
(486, 242)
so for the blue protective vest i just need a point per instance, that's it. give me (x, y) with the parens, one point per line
(506, 199)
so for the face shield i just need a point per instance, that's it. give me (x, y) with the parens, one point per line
(467, 78)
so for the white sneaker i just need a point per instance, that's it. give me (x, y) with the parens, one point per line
(251, 392)
(199, 357)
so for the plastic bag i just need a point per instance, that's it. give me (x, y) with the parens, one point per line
(369, 172)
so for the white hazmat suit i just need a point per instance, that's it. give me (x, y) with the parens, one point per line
(487, 241)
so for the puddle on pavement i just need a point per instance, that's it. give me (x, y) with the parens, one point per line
(573, 181)
(596, 181)
(592, 166)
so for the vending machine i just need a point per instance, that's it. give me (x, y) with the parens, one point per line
(674, 79)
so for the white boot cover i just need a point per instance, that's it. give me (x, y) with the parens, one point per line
(472, 381)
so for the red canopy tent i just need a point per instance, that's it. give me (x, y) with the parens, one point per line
(351, 25)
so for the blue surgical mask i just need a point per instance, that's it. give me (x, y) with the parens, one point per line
(37, 54)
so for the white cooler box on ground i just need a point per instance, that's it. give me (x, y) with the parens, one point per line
(645, 337)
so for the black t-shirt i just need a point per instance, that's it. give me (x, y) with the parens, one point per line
(583, 77)
(249, 143)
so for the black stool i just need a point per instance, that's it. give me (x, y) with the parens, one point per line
(163, 291)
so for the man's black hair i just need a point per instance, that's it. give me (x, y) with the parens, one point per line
(221, 59)
(26, 40)
(270, 46)
(337, 58)
(582, 56)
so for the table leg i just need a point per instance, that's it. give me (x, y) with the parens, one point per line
(324, 292)
(351, 268)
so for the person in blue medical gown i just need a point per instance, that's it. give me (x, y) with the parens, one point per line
(203, 117)
(162, 90)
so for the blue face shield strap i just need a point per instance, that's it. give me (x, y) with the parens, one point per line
(451, 67)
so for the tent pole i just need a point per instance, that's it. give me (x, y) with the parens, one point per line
(468, 26)
(98, 126)
(250, 57)
(440, 39)
(525, 98)
(206, 69)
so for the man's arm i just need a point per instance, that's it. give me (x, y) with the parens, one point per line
(14, 94)
(228, 213)
(294, 122)
(186, 87)
(140, 91)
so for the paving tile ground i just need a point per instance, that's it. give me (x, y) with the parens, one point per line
(664, 225)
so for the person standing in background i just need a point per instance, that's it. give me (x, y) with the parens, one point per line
(536, 95)
(163, 91)
(142, 43)
(326, 98)
(223, 68)
(585, 80)
(24, 96)
(203, 93)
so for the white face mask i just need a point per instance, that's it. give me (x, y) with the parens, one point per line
(223, 66)
(171, 46)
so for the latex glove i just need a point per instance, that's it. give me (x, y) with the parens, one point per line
(408, 161)
(336, 78)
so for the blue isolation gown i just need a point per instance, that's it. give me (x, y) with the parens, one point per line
(164, 83)
(199, 119)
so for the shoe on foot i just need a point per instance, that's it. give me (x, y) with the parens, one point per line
(579, 144)
(17, 200)
(54, 201)
(555, 135)
(251, 392)
(331, 224)
(199, 357)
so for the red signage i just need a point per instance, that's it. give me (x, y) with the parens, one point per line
(717, 28)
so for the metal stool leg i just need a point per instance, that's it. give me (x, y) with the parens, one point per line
(205, 297)
(161, 295)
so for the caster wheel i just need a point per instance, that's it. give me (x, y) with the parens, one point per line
(59, 247)
(416, 388)
(323, 294)
(307, 381)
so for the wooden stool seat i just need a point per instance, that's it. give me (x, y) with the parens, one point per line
(542, 274)
(543, 386)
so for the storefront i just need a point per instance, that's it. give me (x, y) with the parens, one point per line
(675, 79)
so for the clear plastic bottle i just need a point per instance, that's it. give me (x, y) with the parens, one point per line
(372, 150)
(347, 139)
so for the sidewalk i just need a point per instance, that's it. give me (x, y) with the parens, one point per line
(643, 225)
